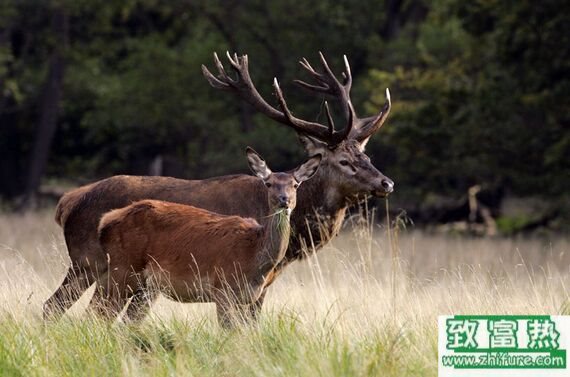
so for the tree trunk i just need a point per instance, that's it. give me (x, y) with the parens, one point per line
(49, 109)
(393, 19)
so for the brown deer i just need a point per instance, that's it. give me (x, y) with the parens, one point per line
(345, 175)
(194, 255)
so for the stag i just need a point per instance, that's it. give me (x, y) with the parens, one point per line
(194, 255)
(345, 175)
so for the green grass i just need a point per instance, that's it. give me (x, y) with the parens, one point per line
(341, 313)
(280, 345)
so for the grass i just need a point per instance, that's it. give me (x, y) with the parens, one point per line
(352, 310)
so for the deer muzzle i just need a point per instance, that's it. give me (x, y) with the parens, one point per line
(384, 187)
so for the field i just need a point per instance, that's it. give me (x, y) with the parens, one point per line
(366, 305)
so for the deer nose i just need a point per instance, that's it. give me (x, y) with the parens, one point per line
(283, 201)
(387, 185)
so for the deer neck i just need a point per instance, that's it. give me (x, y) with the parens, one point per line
(321, 195)
(320, 211)
(276, 239)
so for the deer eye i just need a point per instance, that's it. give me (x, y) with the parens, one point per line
(344, 162)
(296, 185)
(267, 184)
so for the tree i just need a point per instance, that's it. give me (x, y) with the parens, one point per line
(49, 107)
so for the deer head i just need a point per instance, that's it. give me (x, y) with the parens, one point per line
(281, 187)
(347, 168)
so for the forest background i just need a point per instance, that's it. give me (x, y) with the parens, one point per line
(480, 92)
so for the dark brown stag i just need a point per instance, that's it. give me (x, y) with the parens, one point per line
(345, 175)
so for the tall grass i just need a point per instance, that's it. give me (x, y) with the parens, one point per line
(365, 306)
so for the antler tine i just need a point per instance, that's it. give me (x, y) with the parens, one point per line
(305, 63)
(282, 103)
(370, 125)
(350, 123)
(223, 81)
(220, 66)
(329, 119)
(324, 88)
(234, 61)
(326, 65)
(347, 74)
(218, 84)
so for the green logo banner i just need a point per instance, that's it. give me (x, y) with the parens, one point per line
(508, 345)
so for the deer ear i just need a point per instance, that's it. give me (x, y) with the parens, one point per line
(257, 164)
(308, 169)
(312, 145)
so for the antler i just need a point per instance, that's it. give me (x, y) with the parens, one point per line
(368, 126)
(329, 85)
(243, 87)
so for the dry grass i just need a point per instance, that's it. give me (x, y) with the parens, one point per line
(345, 311)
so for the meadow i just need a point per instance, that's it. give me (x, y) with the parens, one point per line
(366, 305)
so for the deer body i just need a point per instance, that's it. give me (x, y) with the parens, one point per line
(188, 254)
(194, 255)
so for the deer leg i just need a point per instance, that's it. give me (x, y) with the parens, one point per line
(232, 311)
(75, 283)
(106, 303)
(229, 311)
(138, 308)
(254, 309)
(225, 316)
(87, 263)
(114, 290)
(112, 293)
